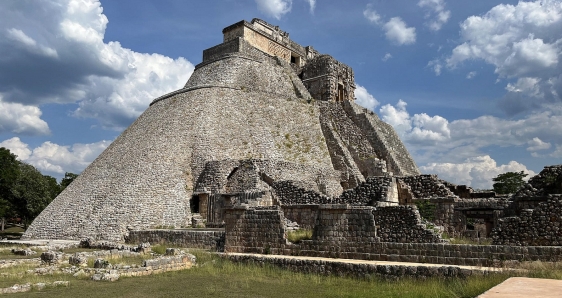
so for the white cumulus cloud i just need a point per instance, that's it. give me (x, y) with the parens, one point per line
(17, 147)
(476, 172)
(537, 144)
(21, 119)
(431, 138)
(437, 14)
(522, 41)
(386, 57)
(111, 83)
(277, 8)
(398, 32)
(365, 99)
(54, 159)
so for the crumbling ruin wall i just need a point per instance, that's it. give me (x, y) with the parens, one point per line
(548, 181)
(373, 190)
(291, 193)
(204, 239)
(403, 224)
(427, 186)
(304, 215)
(541, 226)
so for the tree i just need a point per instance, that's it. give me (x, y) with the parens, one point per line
(68, 178)
(9, 172)
(31, 192)
(509, 182)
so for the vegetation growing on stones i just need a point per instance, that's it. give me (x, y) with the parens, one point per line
(426, 209)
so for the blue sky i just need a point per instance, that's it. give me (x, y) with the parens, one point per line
(473, 87)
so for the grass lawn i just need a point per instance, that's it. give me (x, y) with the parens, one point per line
(215, 277)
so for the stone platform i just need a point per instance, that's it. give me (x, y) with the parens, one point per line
(361, 268)
(525, 287)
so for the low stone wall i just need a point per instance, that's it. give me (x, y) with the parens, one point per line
(351, 233)
(539, 226)
(436, 253)
(205, 239)
(337, 229)
(402, 224)
(353, 269)
(259, 229)
(342, 225)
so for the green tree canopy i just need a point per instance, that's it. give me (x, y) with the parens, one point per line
(32, 192)
(9, 172)
(68, 178)
(509, 182)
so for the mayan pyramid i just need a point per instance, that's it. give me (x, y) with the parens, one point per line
(258, 109)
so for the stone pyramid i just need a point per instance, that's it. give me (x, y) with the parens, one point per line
(259, 109)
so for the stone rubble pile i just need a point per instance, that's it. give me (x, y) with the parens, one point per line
(28, 287)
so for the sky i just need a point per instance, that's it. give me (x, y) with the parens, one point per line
(473, 88)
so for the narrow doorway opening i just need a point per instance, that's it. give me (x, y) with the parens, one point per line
(194, 204)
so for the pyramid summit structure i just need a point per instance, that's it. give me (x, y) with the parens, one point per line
(261, 119)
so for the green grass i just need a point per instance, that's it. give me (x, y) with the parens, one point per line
(159, 249)
(217, 277)
(463, 240)
(299, 235)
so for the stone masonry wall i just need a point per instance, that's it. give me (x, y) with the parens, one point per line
(343, 226)
(374, 189)
(268, 236)
(427, 186)
(541, 226)
(402, 224)
(204, 239)
(255, 230)
(384, 140)
(358, 270)
(288, 193)
(304, 215)
(548, 181)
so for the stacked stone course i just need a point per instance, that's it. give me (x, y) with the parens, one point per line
(539, 226)
(403, 224)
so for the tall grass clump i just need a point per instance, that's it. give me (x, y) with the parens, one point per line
(299, 235)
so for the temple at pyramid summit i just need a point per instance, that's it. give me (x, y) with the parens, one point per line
(262, 121)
